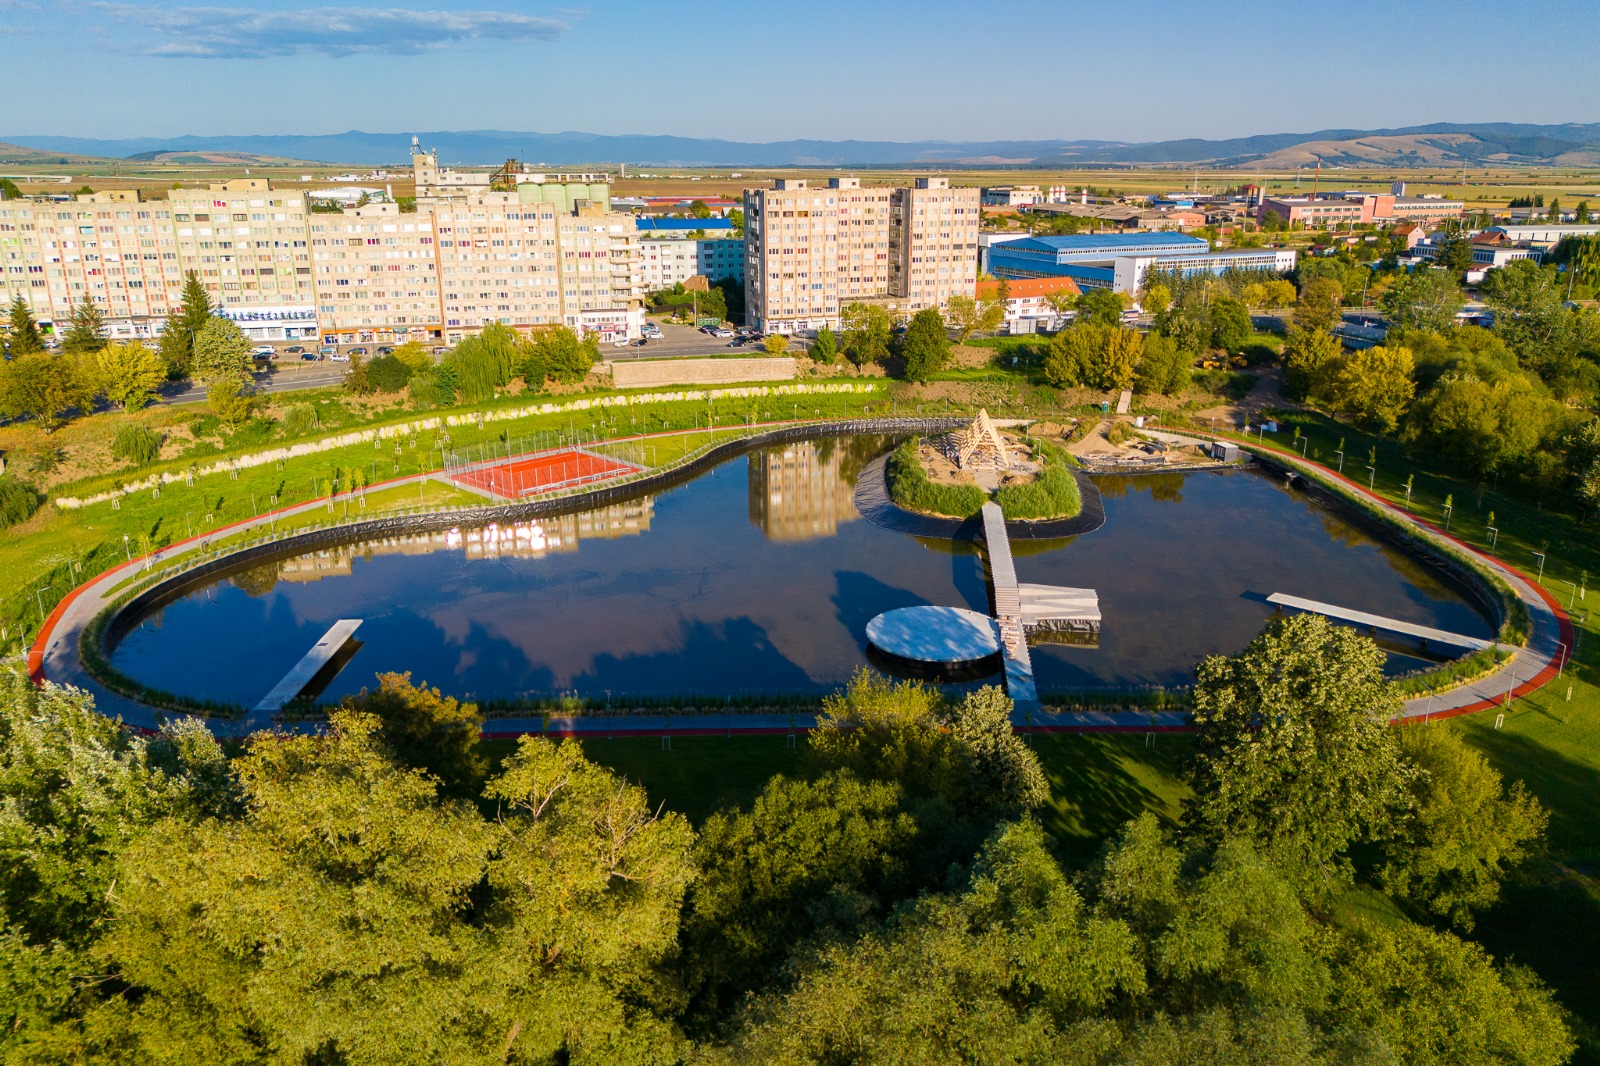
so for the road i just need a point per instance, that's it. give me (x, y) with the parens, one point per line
(292, 373)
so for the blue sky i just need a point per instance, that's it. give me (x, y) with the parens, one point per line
(832, 69)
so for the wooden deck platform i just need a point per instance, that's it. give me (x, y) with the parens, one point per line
(295, 681)
(1377, 621)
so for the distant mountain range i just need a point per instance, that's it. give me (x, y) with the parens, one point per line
(1439, 144)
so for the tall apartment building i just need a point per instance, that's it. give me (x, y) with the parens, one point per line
(111, 247)
(809, 252)
(376, 274)
(248, 243)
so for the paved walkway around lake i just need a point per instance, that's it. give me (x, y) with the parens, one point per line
(54, 654)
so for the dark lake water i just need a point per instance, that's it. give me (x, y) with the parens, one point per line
(759, 576)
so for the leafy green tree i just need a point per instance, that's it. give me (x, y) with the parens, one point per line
(1483, 426)
(1401, 981)
(427, 730)
(175, 346)
(1164, 367)
(995, 973)
(221, 353)
(867, 329)
(24, 336)
(825, 349)
(1004, 772)
(1155, 298)
(127, 373)
(1318, 306)
(1230, 323)
(587, 883)
(1372, 384)
(1073, 354)
(1425, 299)
(775, 344)
(1100, 307)
(356, 376)
(926, 345)
(561, 353)
(1455, 255)
(1465, 829)
(1307, 355)
(183, 327)
(139, 445)
(45, 387)
(809, 859)
(231, 402)
(86, 332)
(1293, 752)
(1527, 302)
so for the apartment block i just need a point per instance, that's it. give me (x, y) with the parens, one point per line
(111, 247)
(248, 244)
(671, 261)
(809, 252)
(376, 274)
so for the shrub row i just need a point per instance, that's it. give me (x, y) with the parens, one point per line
(910, 488)
(1053, 494)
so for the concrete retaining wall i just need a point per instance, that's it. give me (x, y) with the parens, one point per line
(654, 373)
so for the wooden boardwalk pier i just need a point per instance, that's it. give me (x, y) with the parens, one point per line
(295, 681)
(1020, 609)
(1424, 634)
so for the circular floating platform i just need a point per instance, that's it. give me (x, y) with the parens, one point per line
(935, 636)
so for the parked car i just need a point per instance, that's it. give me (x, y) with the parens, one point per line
(266, 351)
(327, 351)
(439, 349)
(722, 333)
(295, 349)
(641, 342)
(310, 357)
(358, 351)
(652, 330)
(383, 350)
(343, 357)
(621, 342)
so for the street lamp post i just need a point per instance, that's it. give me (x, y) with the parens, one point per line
(1372, 476)
(1561, 658)
(125, 549)
(1340, 454)
(38, 595)
(1541, 566)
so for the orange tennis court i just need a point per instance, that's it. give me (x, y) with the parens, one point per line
(529, 475)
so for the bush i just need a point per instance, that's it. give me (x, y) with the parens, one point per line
(138, 445)
(388, 374)
(1119, 432)
(18, 501)
(910, 488)
(299, 420)
(1053, 494)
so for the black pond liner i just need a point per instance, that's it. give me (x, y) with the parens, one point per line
(872, 500)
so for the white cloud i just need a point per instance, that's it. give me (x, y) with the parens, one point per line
(247, 33)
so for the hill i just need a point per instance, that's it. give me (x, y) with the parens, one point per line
(16, 153)
(1439, 144)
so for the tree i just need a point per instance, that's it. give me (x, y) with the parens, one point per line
(825, 349)
(1307, 356)
(1485, 426)
(1074, 354)
(1164, 367)
(1527, 302)
(427, 731)
(1118, 365)
(183, 325)
(926, 345)
(230, 400)
(1425, 299)
(1373, 384)
(736, 216)
(1464, 831)
(560, 352)
(45, 387)
(1155, 299)
(867, 328)
(127, 373)
(962, 312)
(1293, 751)
(1455, 255)
(85, 333)
(1318, 307)
(807, 858)
(1004, 772)
(24, 337)
(221, 353)
(356, 377)
(1100, 307)
(1230, 323)
(775, 343)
